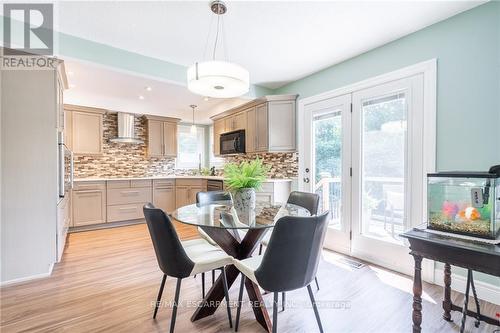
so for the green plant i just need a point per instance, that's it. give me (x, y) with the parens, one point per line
(245, 175)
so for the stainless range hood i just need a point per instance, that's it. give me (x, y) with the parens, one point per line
(126, 130)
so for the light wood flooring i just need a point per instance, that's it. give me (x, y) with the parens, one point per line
(108, 281)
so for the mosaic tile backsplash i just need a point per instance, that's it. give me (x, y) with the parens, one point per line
(131, 160)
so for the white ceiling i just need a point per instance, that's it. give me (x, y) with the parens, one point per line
(97, 86)
(278, 42)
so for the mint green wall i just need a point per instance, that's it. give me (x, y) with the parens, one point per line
(467, 47)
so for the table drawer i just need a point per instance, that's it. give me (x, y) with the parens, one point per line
(118, 183)
(118, 196)
(125, 212)
(89, 185)
(140, 183)
(163, 183)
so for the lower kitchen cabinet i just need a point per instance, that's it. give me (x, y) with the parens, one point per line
(186, 189)
(125, 199)
(164, 194)
(89, 203)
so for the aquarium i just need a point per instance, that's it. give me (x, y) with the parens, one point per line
(464, 202)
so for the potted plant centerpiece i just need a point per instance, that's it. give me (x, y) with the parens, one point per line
(242, 180)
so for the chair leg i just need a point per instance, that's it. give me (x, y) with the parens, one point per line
(240, 302)
(260, 249)
(317, 284)
(203, 285)
(275, 312)
(158, 299)
(174, 308)
(226, 294)
(213, 277)
(283, 301)
(316, 313)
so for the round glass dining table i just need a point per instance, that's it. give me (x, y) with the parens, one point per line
(238, 233)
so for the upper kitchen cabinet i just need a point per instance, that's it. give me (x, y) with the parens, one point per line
(162, 136)
(269, 123)
(84, 129)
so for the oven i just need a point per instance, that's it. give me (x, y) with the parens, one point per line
(232, 142)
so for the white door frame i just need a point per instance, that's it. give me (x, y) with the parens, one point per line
(429, 71)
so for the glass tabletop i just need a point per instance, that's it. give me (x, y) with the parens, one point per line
(224, 215)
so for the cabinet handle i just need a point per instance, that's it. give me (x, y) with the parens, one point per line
(130, 192)
(128, 209)
(88, 191)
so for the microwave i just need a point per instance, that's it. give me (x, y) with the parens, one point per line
(232, 142)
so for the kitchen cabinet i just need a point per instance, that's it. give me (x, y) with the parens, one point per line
(162, 136)
(164, 194)
(84, 135)
(269, 123)
(126, 198)
(274, 192)
(88, 203)
(186, 189)
(63, 223)
(219, 128)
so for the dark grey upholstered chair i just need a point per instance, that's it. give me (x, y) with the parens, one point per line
(309, 201)
(182, 259)
(299, 238)
(203, 199)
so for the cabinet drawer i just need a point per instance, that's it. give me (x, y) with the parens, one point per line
(118, 196)
(125, 212)
(162, 183)
(140, 183)
(267, 187)
(189, 182)
(118, 183)
(90, 185)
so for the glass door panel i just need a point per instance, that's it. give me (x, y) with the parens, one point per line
(383, 164)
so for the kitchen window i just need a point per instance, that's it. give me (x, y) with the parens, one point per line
(190, 147)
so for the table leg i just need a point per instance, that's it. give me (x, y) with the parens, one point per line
(417, 295)
(239, 250)
(447, 292)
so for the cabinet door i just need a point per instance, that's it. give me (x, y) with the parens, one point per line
(240, 121)
(86, 133)
(170, 139)
(192, 193)
(219, 126)
(261, 127)
(164, 198)
(155, 138)
(228, 124)
(68, 122)
(89, 207)
(250, 136)
(181, 196)
(282, 127)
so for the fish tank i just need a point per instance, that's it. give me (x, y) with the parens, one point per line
(465, 203)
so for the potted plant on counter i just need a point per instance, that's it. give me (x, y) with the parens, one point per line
(242, 180)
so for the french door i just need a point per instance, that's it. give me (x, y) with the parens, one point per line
(362, 154)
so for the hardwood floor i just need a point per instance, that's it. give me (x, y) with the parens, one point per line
(108, 280)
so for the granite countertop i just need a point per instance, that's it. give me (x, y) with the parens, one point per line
(89, 179)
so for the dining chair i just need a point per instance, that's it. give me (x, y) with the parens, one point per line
(299, 238)
(203, 199)
(181, 259)
(309, 201)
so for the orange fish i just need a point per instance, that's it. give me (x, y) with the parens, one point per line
(469, 213)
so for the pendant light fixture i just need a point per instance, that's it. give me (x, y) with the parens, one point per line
(214, 78)
(193, 126)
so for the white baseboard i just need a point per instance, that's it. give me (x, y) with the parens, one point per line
(28, 278)
(485, 291)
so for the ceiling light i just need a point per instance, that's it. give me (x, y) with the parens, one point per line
(141, 97)
(148, 88)
(219, 79)
(193, 126)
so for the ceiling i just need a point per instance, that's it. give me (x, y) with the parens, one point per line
(278, 42)
(98, 86)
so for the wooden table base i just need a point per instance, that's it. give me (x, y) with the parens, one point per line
(240, 250)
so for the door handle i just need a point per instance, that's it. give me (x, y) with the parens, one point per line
(306, 180)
